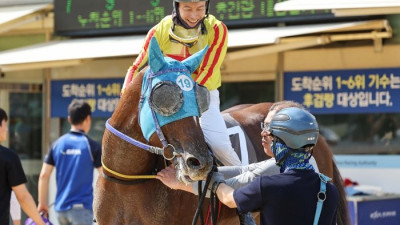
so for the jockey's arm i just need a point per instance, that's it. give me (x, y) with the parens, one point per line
(209, 72)
(140, 62)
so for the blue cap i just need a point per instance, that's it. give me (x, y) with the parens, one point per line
(294, 126)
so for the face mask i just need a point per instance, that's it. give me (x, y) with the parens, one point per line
(290, 159)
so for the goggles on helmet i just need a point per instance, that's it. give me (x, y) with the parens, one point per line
(187, 37)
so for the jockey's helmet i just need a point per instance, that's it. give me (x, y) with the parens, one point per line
(190, 0)
(296, 127)
(175, 4)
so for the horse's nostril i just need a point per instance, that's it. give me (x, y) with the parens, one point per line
(193, 163)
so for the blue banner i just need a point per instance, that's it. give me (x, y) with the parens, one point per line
(345, 91)
(102, 95)
(375, 211)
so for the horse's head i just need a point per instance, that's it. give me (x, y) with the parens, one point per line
(170, 106)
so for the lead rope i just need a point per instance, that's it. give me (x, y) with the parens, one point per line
(200, 191)
(322, 193)
(202, 197)
(214, 207)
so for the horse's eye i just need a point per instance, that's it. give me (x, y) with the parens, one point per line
(166, 98)
(202, 97)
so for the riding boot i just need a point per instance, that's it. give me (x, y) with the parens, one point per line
(246, 219)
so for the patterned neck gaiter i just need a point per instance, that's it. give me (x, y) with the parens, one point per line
(295, 159)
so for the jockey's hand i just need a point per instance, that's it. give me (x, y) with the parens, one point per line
(168, 177)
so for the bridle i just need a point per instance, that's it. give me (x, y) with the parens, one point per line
(153, 149)
(134, 179)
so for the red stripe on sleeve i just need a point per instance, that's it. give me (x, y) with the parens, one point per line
(142, 55)
(209, 51)
(217, 54)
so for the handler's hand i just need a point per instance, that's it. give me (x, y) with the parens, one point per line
(168, 177)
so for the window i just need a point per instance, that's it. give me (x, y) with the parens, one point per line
(361, 133)
(246, 93)
(25, 123)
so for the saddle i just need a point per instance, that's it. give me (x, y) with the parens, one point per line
(241, 143)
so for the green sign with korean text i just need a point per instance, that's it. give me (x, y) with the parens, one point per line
(98, 17)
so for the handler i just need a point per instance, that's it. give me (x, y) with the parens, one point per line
(289, 197)
(188, 30)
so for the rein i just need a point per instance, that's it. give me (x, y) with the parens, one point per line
(215, 205)
(152, 149)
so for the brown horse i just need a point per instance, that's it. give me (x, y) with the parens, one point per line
(162, 118)
(124, 194)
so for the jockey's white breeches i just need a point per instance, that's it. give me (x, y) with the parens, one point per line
(216, 133)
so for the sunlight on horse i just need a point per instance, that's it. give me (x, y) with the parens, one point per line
(125, 193)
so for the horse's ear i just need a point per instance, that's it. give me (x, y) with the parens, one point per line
(193, 62)
(156, 57)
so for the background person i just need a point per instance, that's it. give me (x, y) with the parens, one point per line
(12, 178)
(188, 30)
(74, 155)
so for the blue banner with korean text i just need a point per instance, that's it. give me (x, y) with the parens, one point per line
(101, 94)
(345, 91)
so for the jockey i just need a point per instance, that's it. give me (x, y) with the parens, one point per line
(188, 30)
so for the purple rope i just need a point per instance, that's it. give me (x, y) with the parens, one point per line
(133, 141)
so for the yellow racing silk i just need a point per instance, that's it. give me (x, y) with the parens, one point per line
(209, 71)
